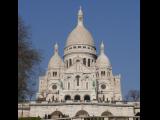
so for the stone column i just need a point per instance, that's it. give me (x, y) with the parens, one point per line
(130, 118)
(106, 118)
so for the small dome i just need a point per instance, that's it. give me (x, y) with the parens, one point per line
(102, 59)
(55, 61)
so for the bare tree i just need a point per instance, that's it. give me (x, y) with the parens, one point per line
(133, 95)
(31, 94)
(28, 59)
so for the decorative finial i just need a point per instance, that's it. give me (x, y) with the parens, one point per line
(56, 48)
(80, 7)
(102, 48)
(80, 16)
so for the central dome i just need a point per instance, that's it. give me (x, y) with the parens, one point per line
(80, 35)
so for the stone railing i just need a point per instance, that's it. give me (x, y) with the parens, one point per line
(23, 106)
(99, 118)
(88, 101)
(26, 105)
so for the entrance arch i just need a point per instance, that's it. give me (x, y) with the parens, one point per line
(106, 113)
(82, 113)
(56, 114)
(77, 97)
(67, 97)
(87, 97)
(138, 115)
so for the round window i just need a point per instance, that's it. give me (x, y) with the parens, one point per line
(103, 86)
(54, 87)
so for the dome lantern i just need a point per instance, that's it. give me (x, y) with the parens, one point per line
(80, 16)
(56, 48)
(102, 48)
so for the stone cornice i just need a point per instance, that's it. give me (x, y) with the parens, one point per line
(64, 104)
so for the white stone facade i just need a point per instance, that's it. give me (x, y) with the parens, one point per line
(82, 83)
(81, 75)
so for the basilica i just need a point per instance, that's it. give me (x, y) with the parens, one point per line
(82, 75)
(82, 82)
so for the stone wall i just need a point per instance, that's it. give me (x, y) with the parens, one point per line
(72, 109)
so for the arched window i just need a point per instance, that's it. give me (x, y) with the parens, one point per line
(54, 74)
(67, 97)
(102, 73)
(84, 61)
(89, 62)
(53, 98)
(70, 62)
(67, 63)
(68, 86)
(86, 97)
(77, 97)
(87, 85)
(92, 60)
(54, 87)
(77, 77)
(103, 98)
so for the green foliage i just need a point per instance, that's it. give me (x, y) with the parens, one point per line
(30, 118)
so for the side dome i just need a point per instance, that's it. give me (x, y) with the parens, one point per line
(102, 59)
(55, 61)
(80, 35)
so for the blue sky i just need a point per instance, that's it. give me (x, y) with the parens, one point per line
(116, 22)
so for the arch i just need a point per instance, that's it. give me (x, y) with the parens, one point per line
(67, 63)
(82, 113)
(77, 97)
(103, 98)
(137, 114)
(84, 61)
(56, 114)
(86, 97)
(67, 97)
(54, 86)
(77, 77)
(106, 113)
(53, 98)
(88, 62)
(70, 62)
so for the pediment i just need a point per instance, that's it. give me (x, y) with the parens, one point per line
(78, 68)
